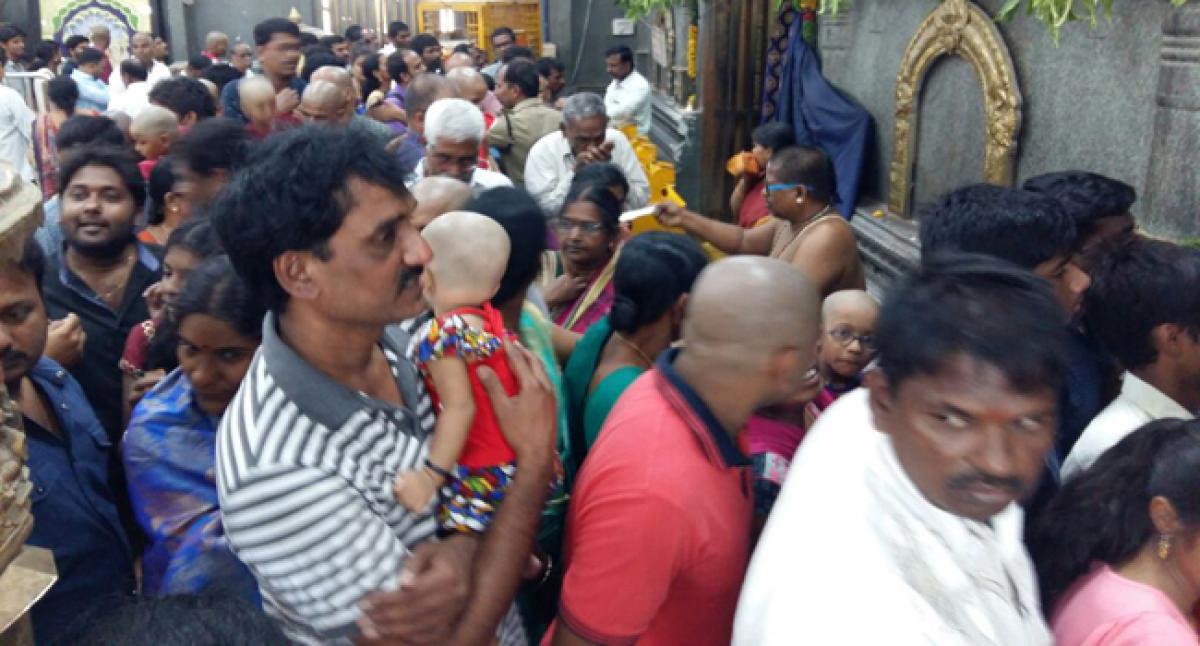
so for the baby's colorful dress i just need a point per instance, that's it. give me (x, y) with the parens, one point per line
(487, 463)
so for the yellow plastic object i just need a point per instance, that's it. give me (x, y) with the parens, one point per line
(481, 17)
(630, 131)
(647, 153)
(661, 176)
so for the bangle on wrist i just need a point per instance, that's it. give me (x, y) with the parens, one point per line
(438, 470)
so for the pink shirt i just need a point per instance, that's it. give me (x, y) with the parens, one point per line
(1106, 609)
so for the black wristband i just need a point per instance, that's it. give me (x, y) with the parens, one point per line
(438, 470)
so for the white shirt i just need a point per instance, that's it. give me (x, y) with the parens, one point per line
(16, 135)
(132, 100)
(853, 553)
(628, 101)
(551, 167)
(155, 74)
(481, 179)
(1138, 404)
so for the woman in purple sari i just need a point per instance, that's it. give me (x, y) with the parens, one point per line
(588, 227)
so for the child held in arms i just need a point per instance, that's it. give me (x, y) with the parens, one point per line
(468, 454)
(846, 346)
(154, 131)
(258, 104)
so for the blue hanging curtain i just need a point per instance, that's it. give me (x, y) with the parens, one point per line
(824, 118)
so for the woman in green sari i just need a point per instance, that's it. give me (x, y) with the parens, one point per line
(651, 281)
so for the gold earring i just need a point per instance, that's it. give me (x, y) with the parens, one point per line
(1164, 546)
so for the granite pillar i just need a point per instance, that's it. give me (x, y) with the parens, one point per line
(1171, 205)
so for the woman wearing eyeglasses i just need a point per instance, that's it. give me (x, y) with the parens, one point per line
(588, 231)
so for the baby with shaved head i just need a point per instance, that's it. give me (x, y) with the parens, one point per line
(153, 130)
(469, 454)
(258, 104)
(437, 195)
(846, 347)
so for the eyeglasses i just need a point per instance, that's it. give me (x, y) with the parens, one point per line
(775, 188)
(464, 163)
(567, 226)
(846, 336)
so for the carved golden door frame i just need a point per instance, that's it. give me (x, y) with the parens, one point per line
(956, 28)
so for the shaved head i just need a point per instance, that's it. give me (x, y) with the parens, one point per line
(340, 77)
(470, 254)
(745, 309)
(437, 195)
(153, 121)
(849, 303)
(458, 60)
(323, 101)
(468, 84)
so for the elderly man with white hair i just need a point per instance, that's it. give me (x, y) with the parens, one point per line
(453, 131)
(585, 139)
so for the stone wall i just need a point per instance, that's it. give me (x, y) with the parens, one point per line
(1089, 102)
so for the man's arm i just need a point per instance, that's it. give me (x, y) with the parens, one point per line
(93, 91)
(498, 135)
(729, 238)
(542, 179)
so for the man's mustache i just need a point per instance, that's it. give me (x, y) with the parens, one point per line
(408, 277)
(966, 481)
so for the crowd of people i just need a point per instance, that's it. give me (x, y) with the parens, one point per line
(340, 341)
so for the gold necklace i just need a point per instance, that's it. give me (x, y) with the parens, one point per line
(120, 282)
(633, 346)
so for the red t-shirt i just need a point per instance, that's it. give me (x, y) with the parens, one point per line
(658, 534)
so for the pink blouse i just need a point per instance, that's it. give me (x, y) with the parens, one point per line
(1106, 609)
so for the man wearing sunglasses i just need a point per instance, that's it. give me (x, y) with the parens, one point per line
(807, 232)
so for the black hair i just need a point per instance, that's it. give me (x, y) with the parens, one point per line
(504, 31)
(214, 288)
(1014, 225)
(213, 145)
(1137, 286)
(525, 225)
(1086, 197)
(807, 166)
(461, 48)
(44, 52)
(354, 33)
(361, 50)
(33, 261)
(198, 236)
(293, 196)
(119, 158)
(654, 270)
(523, 73)
(605, 174)
(160, 182)
(82, 129)
(546, 65)
(976, 306)
(421, 41)
(396, 66)
(212, 617)
(370, 65)
(329, 41)
(774, 135)
(1103, 513)
(64, 93)
(308, 40)
(599, 196)
(134, 70)
(199, 62)
(221, 75)
(74, 41)
(395, 27)
(90, 55)
(183, 95)
(316, 60)
(624, 52)
(265, 30)
(515, 52)
(9, 32)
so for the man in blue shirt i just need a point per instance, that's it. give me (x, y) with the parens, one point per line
(74, 512)
(277, 42)
(93, 93)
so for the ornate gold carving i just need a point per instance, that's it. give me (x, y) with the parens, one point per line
(956, 28)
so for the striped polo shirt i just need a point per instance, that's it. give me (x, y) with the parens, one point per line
(304, 472)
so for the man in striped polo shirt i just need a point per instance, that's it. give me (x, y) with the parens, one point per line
(318, 224)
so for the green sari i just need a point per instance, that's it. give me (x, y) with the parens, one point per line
(589, 407)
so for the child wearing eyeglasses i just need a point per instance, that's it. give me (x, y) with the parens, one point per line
(846, 346)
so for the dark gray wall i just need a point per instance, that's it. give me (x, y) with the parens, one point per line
(1089, 102)
(24, 14)
(188, 25)
(572, 29)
